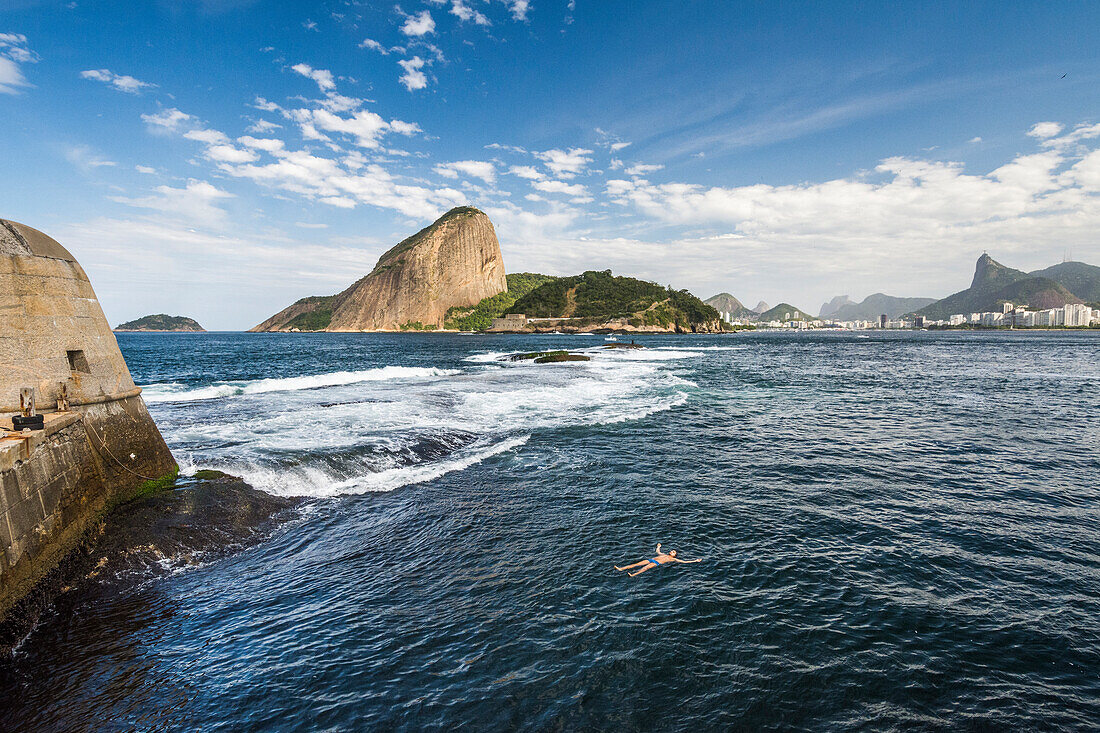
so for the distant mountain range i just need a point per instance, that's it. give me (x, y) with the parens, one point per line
(841, 308)
(995, 284)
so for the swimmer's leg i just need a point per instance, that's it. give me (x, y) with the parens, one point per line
(648, 565)
(633, 565)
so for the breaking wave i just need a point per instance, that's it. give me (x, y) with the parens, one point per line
(176, 392)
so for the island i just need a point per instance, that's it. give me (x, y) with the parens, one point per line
(162, 322)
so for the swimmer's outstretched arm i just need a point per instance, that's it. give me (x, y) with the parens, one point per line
(687, 562)
(658, 548)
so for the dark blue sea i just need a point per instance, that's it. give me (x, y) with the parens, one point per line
(898, 531)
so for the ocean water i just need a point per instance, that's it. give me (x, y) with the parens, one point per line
(898, 531)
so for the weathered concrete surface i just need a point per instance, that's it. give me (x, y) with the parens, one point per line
(455, 262)
(105, 449)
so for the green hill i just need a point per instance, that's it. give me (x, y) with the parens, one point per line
(161, 322)
(481, 316)
(1080, 279)
(784, 312)
(600, 296)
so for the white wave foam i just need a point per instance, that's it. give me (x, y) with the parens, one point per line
(175, 392)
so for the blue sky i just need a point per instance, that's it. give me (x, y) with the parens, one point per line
(222, 158)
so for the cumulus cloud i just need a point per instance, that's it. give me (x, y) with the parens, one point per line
(322, 77)
(464, 12)
(641, 169)
(418, 25)
(196, 203)
(13, 52)
(482, 169)
(366, 127)
(374, 45)
(574, 189)
(526, 171)
(121, 82)
(566, 163)
(262, 126)
(413, 78)
(519, 8)
(167, 120)
(1045, 129)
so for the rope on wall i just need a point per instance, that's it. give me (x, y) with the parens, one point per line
(107, 450)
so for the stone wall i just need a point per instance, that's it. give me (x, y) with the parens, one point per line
(102, 450)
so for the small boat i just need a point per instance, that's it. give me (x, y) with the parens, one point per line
(610, 338)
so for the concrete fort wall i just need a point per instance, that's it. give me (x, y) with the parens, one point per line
(101, 450)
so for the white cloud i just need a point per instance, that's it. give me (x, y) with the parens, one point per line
(210, 137)
(346, 185)
(519, 8)
(121, 82)
(616, 147)
(145, 169)
(266, 106)
(374, 45)
(86, 159)
(271, 145)
(566, 163)
(464, 12)
(405, 128)
(322, 77)
(196, 203)
(419, 25)
(1075, 137)
(365, 126)
(1045, 129)
(413, 78)
(262, 126)
(975, 140)
(641, 169)
(482, 169)
(574, 189)
(526, 171)
(14, 51)
(230, 154)
(168, 120)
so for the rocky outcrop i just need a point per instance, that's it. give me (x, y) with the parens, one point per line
(455, 262)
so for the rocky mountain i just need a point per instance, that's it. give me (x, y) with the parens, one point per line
(875, 305)
(828, 309)
(454, 262)
(785, 312)
(726, 303)
(761, 307)
(598, 300)
(994, 284)
(161, 322)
